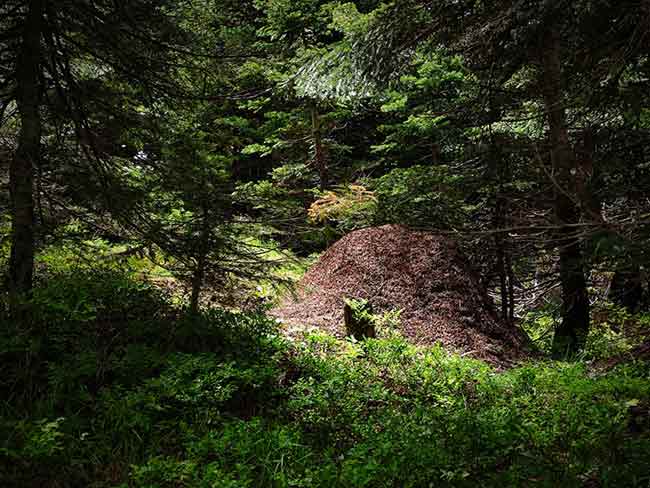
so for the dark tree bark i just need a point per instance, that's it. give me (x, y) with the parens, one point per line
(499, 242)
(197, 284)
(503, 279)
(27, 156)
(570, 335)
(591, 205)
(199, 271)
(511, 287)
(626, 289)
(500, 222)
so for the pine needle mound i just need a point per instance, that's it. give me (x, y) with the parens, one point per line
(422, 274)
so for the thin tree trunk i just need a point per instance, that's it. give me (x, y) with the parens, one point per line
(199, 271)
(320, 159)
(197, 284)
(589, 199)
(503, 280)
(507, 245)
(571, 334)
(511, 287)
(503, 252)
(626, 289)
(27, 155)
(499, 242)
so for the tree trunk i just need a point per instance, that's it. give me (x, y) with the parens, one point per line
(320, 159)
(571, 334)
(590, 202)
(503, 278)
(500, 222)
(511, 288)
(626, 289)
(199, 271)
(197, 284)
(21, 179)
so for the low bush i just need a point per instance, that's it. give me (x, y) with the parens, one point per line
(109, 386)
(386, 414)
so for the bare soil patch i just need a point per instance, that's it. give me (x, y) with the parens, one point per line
(424, 275)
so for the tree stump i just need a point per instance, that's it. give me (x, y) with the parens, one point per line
(358, 323)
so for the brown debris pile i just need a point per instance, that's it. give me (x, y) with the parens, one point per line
(420, 273)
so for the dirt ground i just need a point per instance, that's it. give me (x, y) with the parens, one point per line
(422, 274)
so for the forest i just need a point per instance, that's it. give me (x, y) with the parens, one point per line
(316, 243)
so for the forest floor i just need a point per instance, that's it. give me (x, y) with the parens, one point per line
(114, 385)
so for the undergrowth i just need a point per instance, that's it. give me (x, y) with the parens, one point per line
(105, 384)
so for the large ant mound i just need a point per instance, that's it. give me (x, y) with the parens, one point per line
(422, 274)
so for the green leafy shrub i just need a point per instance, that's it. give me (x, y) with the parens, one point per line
(220, 399)
(110, 355)
(242, 454)
(387, 414)
(30, 449)
(539, 326)
(613, 330)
